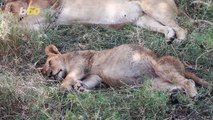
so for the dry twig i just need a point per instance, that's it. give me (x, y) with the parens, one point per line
(196, 21)
(200, 2)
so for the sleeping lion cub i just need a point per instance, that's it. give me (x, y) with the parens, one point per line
(155, 15)
(122, 65)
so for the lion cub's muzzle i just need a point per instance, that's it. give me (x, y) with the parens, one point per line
(60, 75)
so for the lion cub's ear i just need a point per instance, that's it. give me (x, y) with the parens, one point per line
(51, 50)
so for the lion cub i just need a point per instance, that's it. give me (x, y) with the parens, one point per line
(122, 65)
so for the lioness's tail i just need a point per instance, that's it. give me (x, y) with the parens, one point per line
(197, 80)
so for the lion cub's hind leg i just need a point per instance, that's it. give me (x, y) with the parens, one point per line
(161, 85)
(170, 69)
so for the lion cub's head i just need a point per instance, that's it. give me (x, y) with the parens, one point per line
(55, 64)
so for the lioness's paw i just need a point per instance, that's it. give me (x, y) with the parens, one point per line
(170, 36)
(181, 34)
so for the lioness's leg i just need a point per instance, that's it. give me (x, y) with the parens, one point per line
(180, 32)
(149, 23)
(165, 12)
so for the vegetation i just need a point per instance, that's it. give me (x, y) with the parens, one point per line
(25, 94)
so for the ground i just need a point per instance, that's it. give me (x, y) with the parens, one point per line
(25, 94)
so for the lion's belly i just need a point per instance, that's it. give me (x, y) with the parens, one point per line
(127, 72)
(122, 65)
(99, 12)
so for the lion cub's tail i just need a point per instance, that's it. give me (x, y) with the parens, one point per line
(197, 80)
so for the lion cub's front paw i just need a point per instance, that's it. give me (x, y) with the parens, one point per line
(79, 86)
(65, 87)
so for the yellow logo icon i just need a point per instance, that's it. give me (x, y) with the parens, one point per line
(33, 10)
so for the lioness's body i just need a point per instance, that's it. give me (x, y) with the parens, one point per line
(123, 65)
(108, 12)
(156, 15)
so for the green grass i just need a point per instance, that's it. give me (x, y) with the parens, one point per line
(25, 94)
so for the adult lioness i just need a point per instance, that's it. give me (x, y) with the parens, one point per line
(122, 65)
(156, 15)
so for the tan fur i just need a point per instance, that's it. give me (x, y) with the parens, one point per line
(122, 65)
(198, 80)
(156, 15)
(14, 6)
